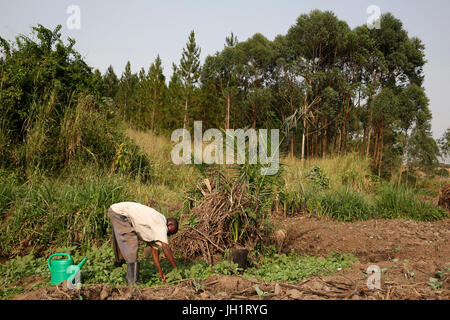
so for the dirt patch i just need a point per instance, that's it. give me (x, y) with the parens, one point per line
(347, 285)
(369, 241)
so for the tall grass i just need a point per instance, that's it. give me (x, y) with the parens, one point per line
(402, 202)
(169, 181)
(350, 193)
(388, 202)
(346, 205)
(350, 169)
(45, 212)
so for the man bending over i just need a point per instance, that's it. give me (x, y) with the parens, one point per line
(132, 222)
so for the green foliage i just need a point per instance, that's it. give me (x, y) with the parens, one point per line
(17, 269)
(99, 268)
(438, 281)
(226, 267)
(53, 110)
(22, 267)
(319, 178)
(401, 202)
(443, 172)
(345, 205)
(8, 190)
(192, 221)
(293, 268)
(36, 70)
(444, 143)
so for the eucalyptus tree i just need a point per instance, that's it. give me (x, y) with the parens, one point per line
(256, 57)
(221, 72)
(412, 111)
(395, 61)
(317, 40)
(422, 149)
(444, 144)
(288, 88)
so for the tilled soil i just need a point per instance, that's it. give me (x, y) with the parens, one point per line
(407, 252)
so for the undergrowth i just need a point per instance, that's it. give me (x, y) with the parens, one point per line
(99, 268)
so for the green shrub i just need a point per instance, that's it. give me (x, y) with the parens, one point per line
(345, 205)
(319, 178)
(400, 202)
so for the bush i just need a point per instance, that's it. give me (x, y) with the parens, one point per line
(53, 113)
(319, 178)
(345, 205)
(400, 202)
(83, 135)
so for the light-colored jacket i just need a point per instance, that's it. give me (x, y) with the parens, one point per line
(149, 224)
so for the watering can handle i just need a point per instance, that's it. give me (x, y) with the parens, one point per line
(54, 255)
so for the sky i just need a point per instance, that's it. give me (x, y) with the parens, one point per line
(113, 32)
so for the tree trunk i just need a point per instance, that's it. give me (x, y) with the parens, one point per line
(368, 141)
(291, 146)
(254, 116)
(303, 138)
(227, 118)
(375, 149)
(347, 112)
(185, 113)
(364, 140)
(324, 150)
(403, 158)
(381, 152)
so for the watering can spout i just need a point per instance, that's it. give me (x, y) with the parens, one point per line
(80, 265)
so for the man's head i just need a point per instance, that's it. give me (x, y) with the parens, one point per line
(172, 226)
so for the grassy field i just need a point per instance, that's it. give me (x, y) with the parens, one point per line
(42, 212)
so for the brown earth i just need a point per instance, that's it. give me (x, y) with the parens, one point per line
(408, 252)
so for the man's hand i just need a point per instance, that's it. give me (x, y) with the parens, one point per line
(155, 254)
(162, 276)
(168, 254)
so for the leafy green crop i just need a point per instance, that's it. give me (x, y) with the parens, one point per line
(292, 268)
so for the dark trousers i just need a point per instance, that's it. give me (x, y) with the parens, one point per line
(124, 238)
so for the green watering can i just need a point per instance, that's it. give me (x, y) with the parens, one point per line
(63, 269)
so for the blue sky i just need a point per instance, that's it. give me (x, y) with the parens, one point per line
(113, 32)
